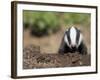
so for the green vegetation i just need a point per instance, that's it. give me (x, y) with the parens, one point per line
(44, 23)
(77, 18)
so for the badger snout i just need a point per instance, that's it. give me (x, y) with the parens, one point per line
(74, 48)
(73, 45)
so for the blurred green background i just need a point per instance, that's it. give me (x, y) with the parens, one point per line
(44, 23)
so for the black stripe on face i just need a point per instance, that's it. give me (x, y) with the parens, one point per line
(77, 35)
(68, 36)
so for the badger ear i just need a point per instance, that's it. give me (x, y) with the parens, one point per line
(66, 30)
(80, 30)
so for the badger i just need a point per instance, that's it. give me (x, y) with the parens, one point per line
(72, 42)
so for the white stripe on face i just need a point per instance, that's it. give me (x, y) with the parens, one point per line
(66, 40)
(73, 34)
(80, 40)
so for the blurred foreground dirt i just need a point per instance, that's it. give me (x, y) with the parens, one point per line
(32, 58)
(41, 52)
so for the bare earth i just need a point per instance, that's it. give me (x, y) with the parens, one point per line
(34, 59)
(41, 52)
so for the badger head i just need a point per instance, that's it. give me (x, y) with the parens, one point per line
(73, 38)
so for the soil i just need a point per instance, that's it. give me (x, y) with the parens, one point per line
(34, 59)
(41, 52)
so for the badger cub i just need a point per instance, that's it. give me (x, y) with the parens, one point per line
(72, 42)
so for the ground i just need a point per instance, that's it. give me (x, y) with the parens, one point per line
(41, 52)
(34, 59)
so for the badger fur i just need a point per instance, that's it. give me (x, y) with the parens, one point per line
(72, 42)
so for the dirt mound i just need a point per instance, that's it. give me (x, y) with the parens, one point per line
(32, 58)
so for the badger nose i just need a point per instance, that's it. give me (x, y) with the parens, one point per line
(73, 47)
